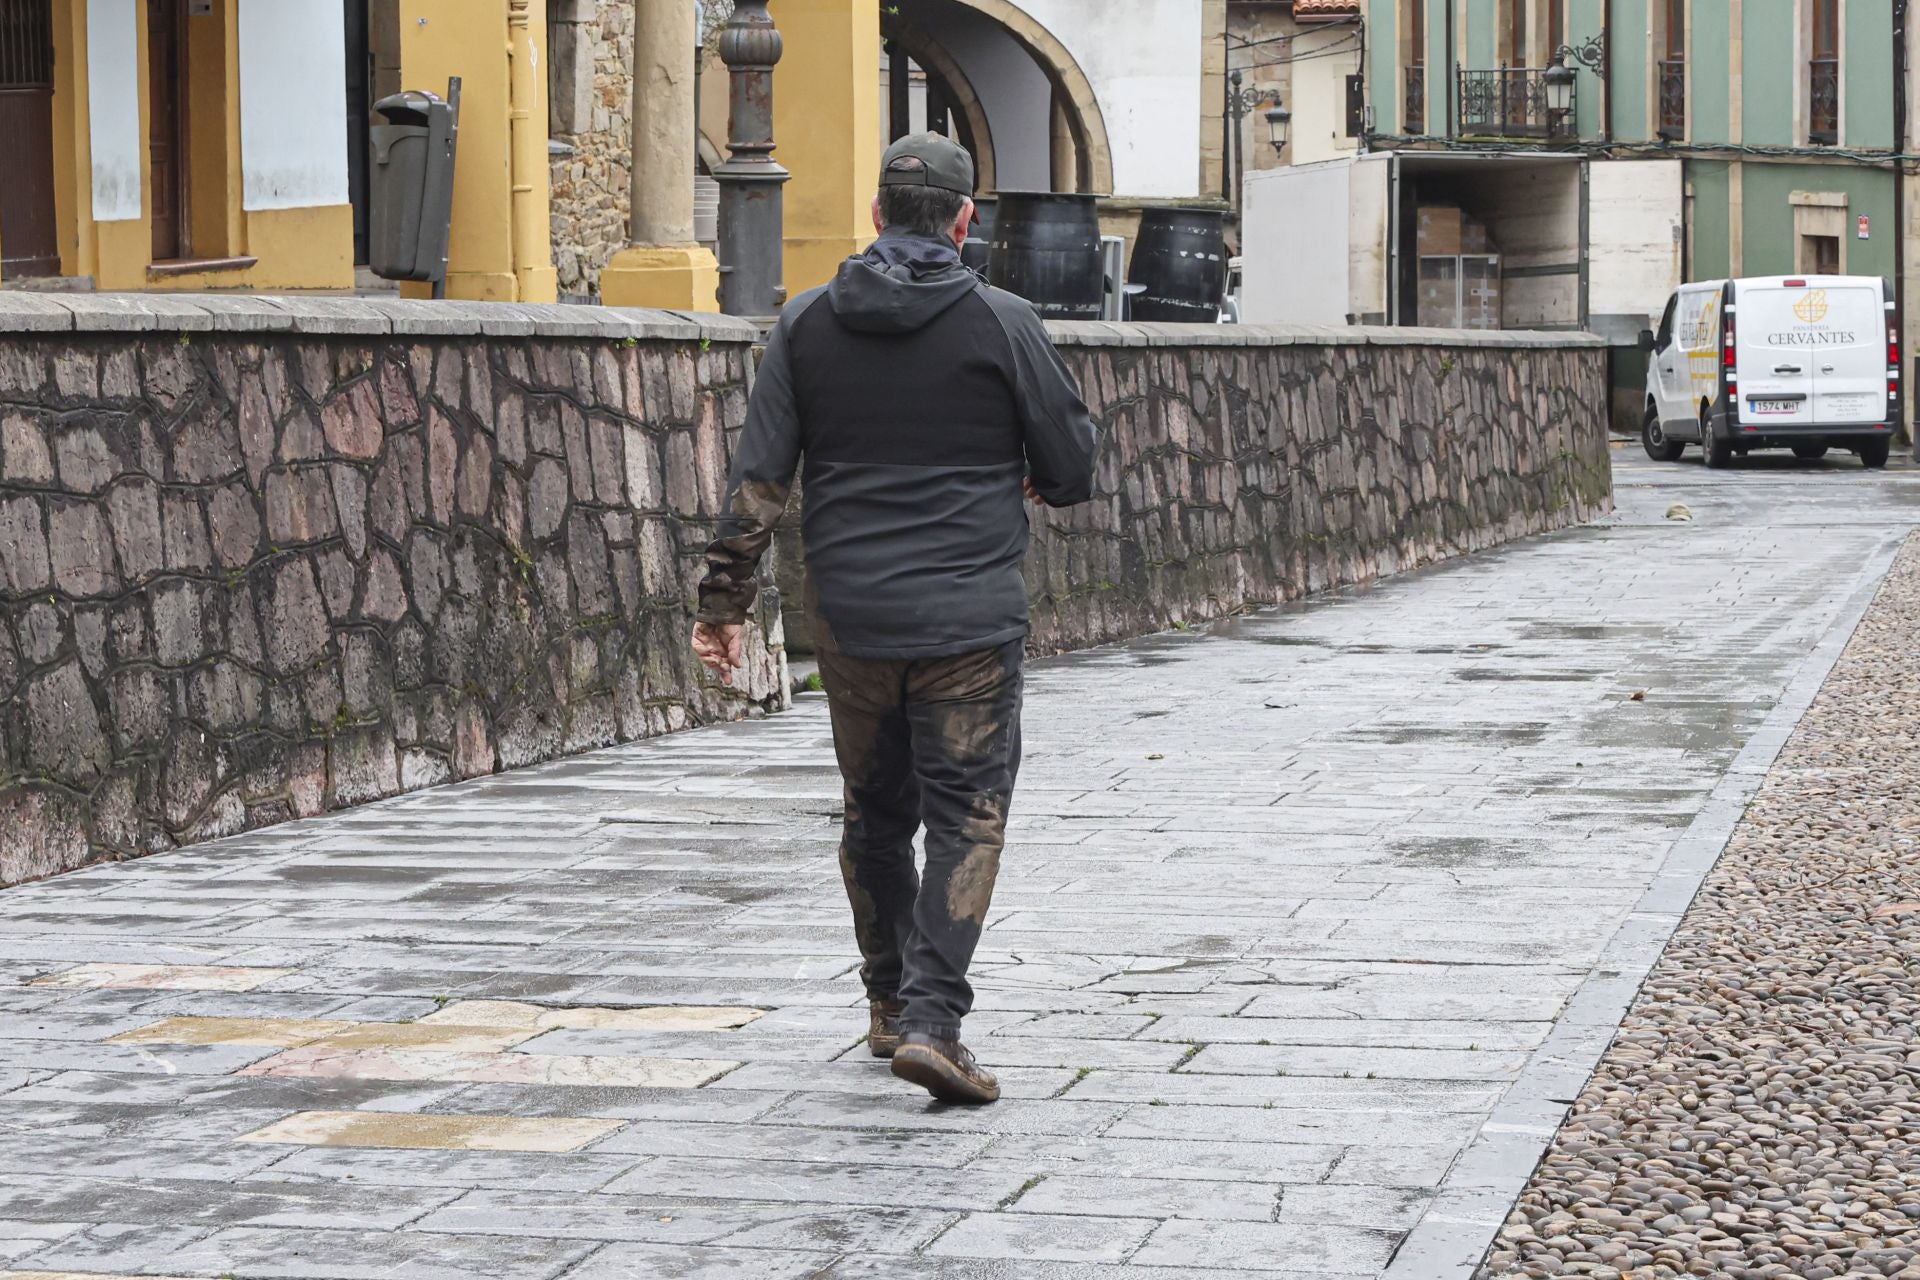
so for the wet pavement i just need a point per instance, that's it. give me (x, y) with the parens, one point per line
(1309, 929)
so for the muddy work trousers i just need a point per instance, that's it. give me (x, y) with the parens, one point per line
(933, 742)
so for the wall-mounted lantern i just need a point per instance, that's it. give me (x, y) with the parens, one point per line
(1279, 124)
(1559, 79)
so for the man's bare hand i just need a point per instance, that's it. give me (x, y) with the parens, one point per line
(1033, 494)
(720, 648)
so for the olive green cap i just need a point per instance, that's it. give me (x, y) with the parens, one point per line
(928, 160)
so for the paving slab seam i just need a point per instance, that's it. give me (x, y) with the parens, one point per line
(1453, 1237)
(581, 1266)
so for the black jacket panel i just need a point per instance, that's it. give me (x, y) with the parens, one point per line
(920, 398)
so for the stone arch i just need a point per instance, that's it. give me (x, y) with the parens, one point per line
(935, 60)
(1084, 117)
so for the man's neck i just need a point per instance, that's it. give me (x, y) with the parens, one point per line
(919, 237)
(900, 244)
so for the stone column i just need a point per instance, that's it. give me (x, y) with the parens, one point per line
(827, 117)
(662, 266)
(1213, 95)
(570, 59)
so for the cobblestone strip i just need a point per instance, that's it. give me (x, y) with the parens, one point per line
(1756, 1114)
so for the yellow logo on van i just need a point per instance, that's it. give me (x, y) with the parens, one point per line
(1812, 307)
(1700, 334)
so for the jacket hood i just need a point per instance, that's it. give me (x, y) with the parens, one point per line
(900, 284)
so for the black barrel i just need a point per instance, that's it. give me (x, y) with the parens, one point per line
(978, 249)
(1046, 248)
(1180, 255)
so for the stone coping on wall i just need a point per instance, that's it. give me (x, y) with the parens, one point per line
(410, 317)
(354, 317)
(1109, 333)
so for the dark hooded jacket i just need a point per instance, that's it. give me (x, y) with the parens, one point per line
(919, 398)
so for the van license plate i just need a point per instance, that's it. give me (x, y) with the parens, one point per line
(1775, 406)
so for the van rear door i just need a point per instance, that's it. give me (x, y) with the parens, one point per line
(1850, 373)
(1775, 344)
(1694, 379)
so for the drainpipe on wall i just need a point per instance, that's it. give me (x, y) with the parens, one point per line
(1226, 119)
(1366, 92)
(1452, 70)
(1606, 71)
(527, 157)
(1901, 13)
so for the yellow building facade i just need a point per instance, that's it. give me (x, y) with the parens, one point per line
(826, 122)
(223, 144)
(220, 144)
(147, 184)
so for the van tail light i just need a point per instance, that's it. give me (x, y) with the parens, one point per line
(1794, 284)
(1893, 356)
(1729, 367)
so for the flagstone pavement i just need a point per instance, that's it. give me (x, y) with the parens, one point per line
(1310, 926)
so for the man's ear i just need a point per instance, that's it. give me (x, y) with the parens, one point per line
(963, 224)
(879, 224)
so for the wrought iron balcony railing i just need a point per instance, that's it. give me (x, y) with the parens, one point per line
(1416, 100)
(1823, 101)
(1510, 102)
(1673, 99)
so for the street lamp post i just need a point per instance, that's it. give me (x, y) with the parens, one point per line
(1242, 102)
(752, 207)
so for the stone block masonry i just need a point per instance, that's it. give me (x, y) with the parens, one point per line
(1250, 465)
(593, 58)
(262, 558)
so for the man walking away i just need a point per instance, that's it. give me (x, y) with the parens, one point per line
(924, 403)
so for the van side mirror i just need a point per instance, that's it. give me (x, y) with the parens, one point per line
(1646, 340)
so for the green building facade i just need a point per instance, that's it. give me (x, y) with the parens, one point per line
(1784, 112)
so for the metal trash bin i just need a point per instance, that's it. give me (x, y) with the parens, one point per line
(410, 185)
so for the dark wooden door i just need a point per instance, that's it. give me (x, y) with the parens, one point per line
(1516, 90)
(359, 117)
(166, 121)
(29, 238)
(1823, 255)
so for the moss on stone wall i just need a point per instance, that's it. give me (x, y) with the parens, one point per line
(245, 579)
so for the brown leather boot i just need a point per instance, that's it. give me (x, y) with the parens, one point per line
(944, 1069)
(883, 1026)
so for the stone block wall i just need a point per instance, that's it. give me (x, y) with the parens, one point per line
(1253, 465)
(260, 558)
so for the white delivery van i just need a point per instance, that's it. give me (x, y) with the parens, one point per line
(1805, 363)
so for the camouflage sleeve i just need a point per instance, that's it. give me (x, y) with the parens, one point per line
(757, 489)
